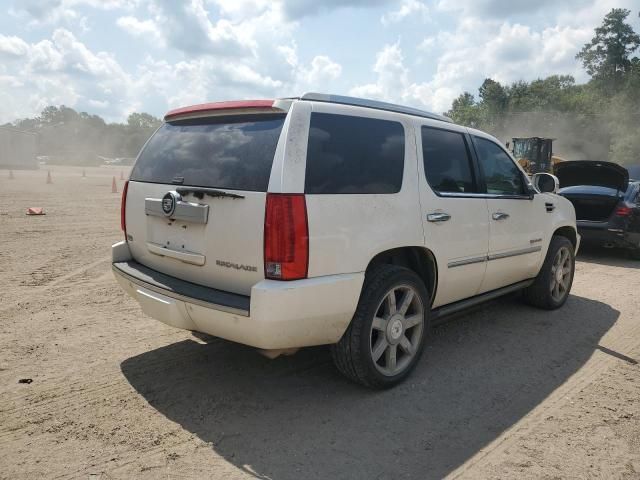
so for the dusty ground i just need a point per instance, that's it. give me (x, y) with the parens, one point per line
(506, 391)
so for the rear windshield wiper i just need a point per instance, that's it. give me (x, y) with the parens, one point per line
(200, 192)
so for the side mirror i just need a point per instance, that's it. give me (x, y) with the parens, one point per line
(545, 182)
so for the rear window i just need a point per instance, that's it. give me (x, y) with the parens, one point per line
(349, 154)
(233, 153)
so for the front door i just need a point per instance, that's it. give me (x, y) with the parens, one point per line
(454, 216)
(515, 218)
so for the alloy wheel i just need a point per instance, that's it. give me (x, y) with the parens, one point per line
(396, 331)
(561, 274)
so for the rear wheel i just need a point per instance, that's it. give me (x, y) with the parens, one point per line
(553, 283)
(386, 336)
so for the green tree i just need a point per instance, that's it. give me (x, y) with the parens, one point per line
(465, 111)
(143, 121)
(493, 96)
(607, 57)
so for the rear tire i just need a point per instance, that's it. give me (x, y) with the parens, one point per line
(552, 285)
(386, 336)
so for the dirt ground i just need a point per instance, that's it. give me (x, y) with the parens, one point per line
(505, 391)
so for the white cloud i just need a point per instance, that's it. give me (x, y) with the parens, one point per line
(474, 51)
(302, 8)
(56, 12)
(408, 8)
(62, 70)
(13, 46)
(392, 76)
(141, 28)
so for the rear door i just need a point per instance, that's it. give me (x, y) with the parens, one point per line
(196, 198)
(454, 214)
(516, 218)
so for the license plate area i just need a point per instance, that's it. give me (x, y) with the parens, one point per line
(176, 236)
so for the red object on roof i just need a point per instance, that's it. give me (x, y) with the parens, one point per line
(210, 107)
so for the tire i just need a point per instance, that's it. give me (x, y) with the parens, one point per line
(542, 292)
(375, 323)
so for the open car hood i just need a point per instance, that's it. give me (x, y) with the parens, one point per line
(588, 172)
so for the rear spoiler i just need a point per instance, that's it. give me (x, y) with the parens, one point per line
(237, 107)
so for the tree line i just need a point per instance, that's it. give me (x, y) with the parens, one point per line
(66, 136)
(598, 120)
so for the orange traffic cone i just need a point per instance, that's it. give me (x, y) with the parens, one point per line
(84, 174)
(49, 177)
(114, 187)
(11, 177)
(121, 175)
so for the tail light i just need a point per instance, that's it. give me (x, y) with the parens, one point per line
(623, 211)
(286, 237)
(123, 209)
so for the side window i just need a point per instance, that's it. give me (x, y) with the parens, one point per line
(500, 173)
(349, 154)
(447, 163)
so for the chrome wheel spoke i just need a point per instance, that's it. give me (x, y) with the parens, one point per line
(379, 348)
(379, 323)
(407, 298)
(390, 357)
(413, 320)
(405, 344)
(391, 302)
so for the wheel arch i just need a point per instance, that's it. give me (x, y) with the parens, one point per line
(418, 259)
(569, 232)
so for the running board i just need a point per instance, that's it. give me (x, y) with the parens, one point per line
(439, 314)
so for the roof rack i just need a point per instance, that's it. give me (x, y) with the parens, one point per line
(363, 102)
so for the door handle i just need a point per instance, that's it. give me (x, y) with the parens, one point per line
(500, 216)
(438, 217)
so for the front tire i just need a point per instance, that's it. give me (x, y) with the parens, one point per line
(552, 285)
(385, 338)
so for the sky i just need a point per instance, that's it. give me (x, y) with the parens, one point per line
(115, 57)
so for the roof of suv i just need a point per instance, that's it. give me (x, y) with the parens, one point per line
(254, 105)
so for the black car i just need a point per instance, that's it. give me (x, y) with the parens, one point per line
(606, 201)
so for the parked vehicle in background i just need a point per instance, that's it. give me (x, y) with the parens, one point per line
(606, 201)
(333, 220)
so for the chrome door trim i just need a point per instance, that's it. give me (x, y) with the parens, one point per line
(514, 253)
(495, 256)
(467, 261)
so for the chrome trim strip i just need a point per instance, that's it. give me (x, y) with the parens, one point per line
(467, 261)
(482, 195)
(186, 211)
(514, 253)
(495, 256)
(177, 296)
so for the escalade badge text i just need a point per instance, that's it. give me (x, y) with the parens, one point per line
(237, 266)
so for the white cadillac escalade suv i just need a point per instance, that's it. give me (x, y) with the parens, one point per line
(333, 220)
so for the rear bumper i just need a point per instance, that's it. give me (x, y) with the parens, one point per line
(276, 315)
(604, 233)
